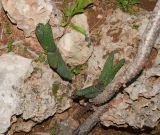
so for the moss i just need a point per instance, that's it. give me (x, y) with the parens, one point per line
(10, 46)
(41, 58)
(55, 88)
(8, 28)
(135, 27)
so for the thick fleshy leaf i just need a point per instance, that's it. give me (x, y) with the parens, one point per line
(56, 62)
(117, 67)
(90, 91)
(45, 37)
(109, 70)
(108, 73)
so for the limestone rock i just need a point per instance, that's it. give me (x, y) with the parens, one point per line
(33, 98)
(72, 45)
(120, 33)
(13, 71)
(39, 101)
(138, 106)
(0, 5)
(21, 125)
(117, 34)
(28, 13)
(55, 21)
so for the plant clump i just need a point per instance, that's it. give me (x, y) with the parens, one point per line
(45, 37)
(108, 73)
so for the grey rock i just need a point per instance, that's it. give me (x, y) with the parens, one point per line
(13, 71)
(138, 106)
(73, 46)
(31, 98)
(27, 14)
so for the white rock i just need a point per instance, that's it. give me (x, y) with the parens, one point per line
(117, 34)
(28, 13)
(72, 45)
(139, 105)
(55, 21)
(37, 101)
(32, 97)
(13, 71)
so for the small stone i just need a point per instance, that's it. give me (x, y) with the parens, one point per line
(62, 116)
(99, 16)
(73, 46)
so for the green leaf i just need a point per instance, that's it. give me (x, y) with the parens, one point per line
(117, 67)
(52, 132)
(108, 73)
(77, 69)
(41, 58)
(77, 7)
(124, 5)
(134, 1)
(78, 28)
(10, 46)
(90, 91)
(45, 37)
(56, 62)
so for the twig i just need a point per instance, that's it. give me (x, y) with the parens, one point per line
(91, 121)
(149, 37)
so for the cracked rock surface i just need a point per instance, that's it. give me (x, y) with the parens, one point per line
(27, 14)
(138, 106)
(33, 98)
(13, 71)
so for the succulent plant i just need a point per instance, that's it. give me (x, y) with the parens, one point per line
(45, 37)
(108, 73)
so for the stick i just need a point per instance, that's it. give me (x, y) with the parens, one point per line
(91, 121)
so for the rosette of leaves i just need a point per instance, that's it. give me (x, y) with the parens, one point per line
(108, 73)
(45, 37)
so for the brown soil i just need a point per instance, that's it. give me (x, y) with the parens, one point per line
(147, 4)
